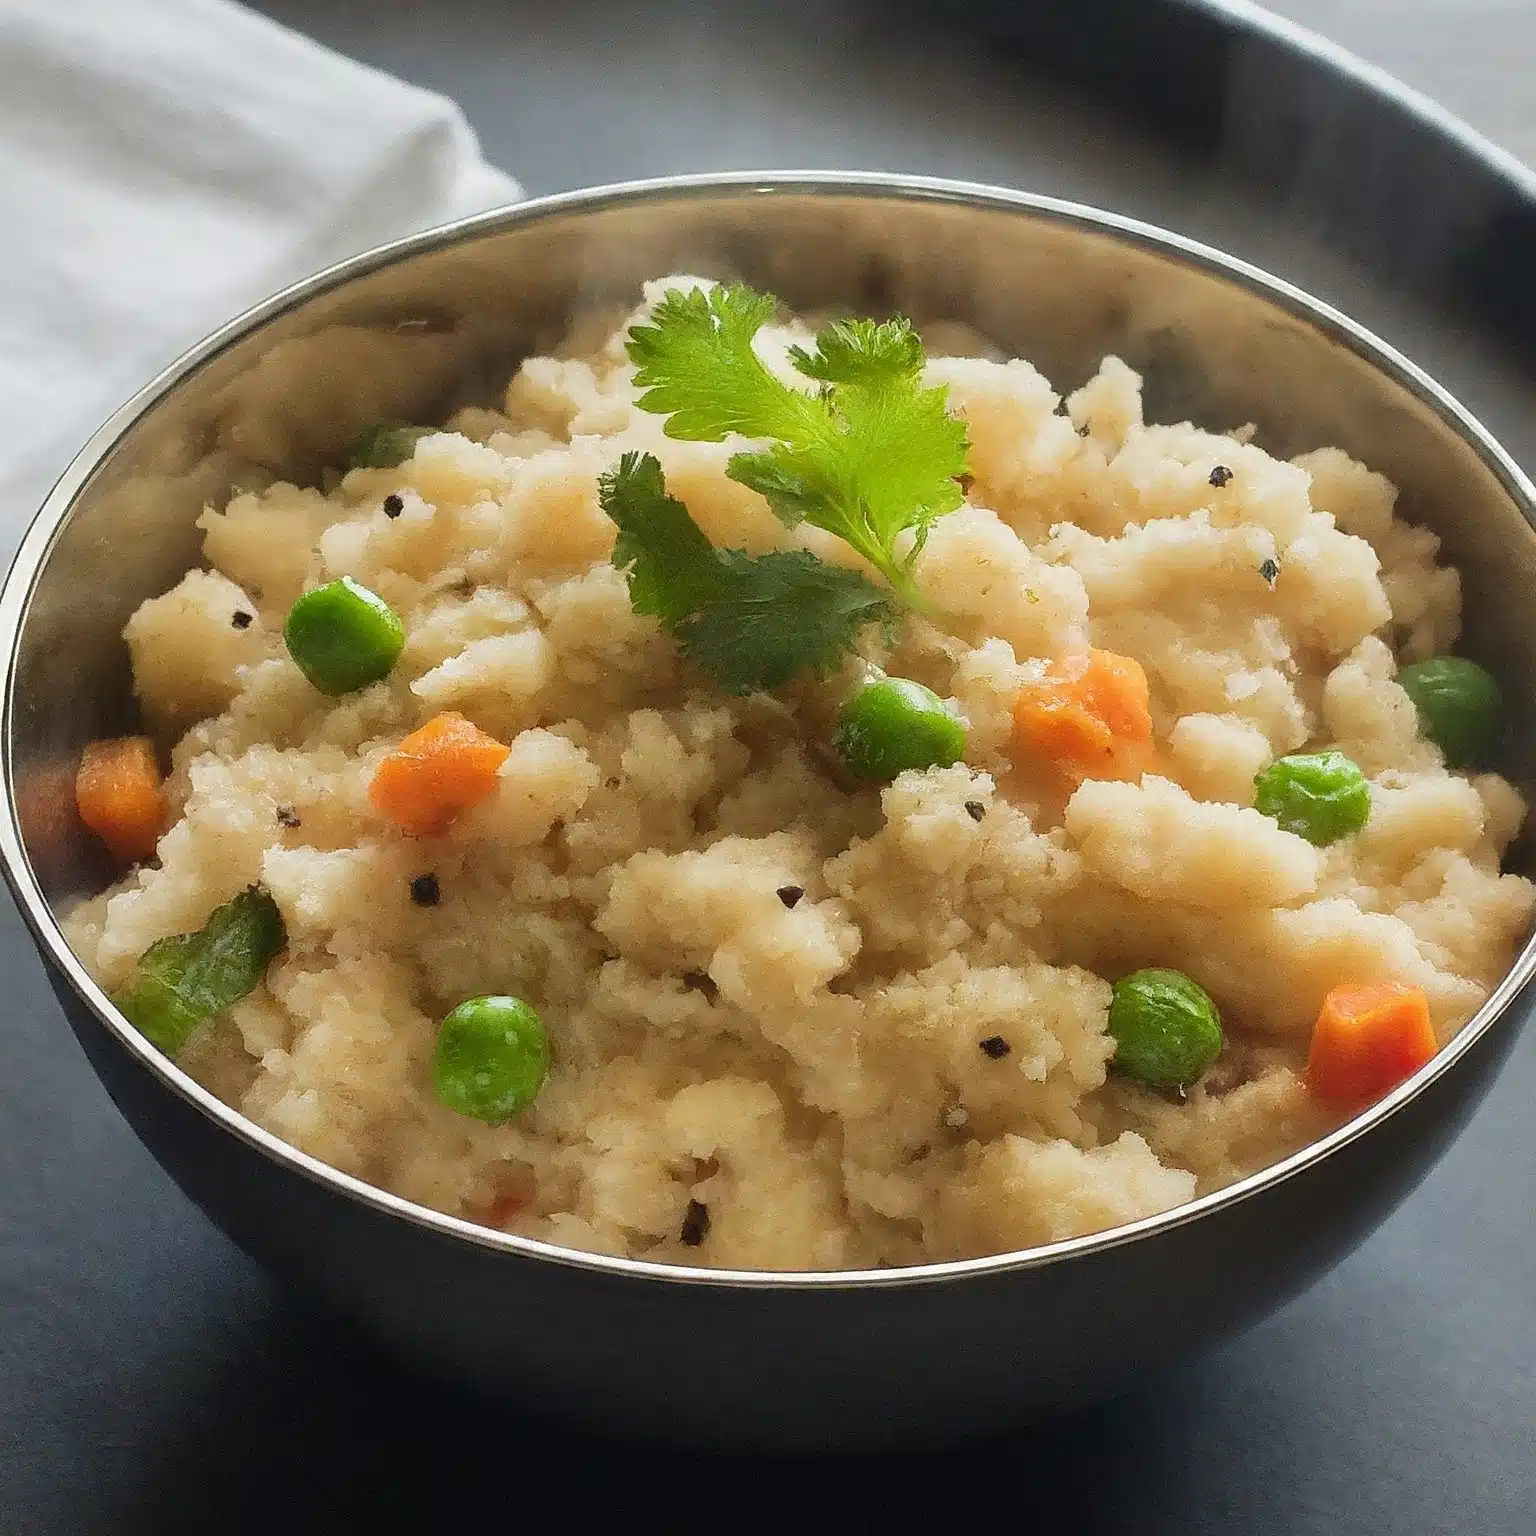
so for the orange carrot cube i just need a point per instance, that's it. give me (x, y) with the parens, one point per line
(436, 774)
(1367, 1039)
(120, 796)
(1089, 716)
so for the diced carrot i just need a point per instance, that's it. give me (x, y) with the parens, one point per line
(436, 773)
(507, 1203)
(1089, 715)
(504, 1207)
(119, 796)
(1367, 1039)
(514, 1189)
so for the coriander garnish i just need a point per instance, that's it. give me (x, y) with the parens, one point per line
(752, 621)
(869, 456)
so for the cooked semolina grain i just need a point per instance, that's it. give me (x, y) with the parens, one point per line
(908, 1061)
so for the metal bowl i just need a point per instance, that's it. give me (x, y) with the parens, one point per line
(784, 1360)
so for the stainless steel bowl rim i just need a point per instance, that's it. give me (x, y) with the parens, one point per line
(37, 543)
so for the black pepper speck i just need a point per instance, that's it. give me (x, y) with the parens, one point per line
(975, 809)
(695, 1224)
(287, 816)
(995, 1047)
(241, 619)
(1270, 570)
(393, 505)
(790, 895)
(1220, 475)
(425, 891)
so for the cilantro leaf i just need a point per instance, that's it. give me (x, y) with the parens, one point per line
(695, 362)
(777, 615)
(868, 456)
(752, 622)
(672, 566)
(889, 462)
(904, 452)
(862, 352)
(799, 483)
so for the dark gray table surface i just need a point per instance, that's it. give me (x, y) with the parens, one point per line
(152, 1379)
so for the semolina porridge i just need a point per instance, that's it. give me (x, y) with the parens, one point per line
(992, 866)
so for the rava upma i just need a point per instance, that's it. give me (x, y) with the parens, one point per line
(764, 797)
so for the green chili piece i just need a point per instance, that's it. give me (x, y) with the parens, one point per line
(384, 445)
(186, 980)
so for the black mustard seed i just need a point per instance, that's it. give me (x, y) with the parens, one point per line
(695, 1224)
(702, 983)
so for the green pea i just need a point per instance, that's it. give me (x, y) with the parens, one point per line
(343, 637)
(1167, 1030)
(895, 724)
(491, 1059)
(384, 445)
(1321, 796)
(1459, 706)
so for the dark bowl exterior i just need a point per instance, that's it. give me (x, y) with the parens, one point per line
(748, 1360)
(789, 1368)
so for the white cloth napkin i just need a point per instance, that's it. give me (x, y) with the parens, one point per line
(164, 164)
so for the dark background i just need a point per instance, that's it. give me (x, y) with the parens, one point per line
(151, 1379)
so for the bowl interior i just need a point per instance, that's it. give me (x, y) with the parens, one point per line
(442, 320)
